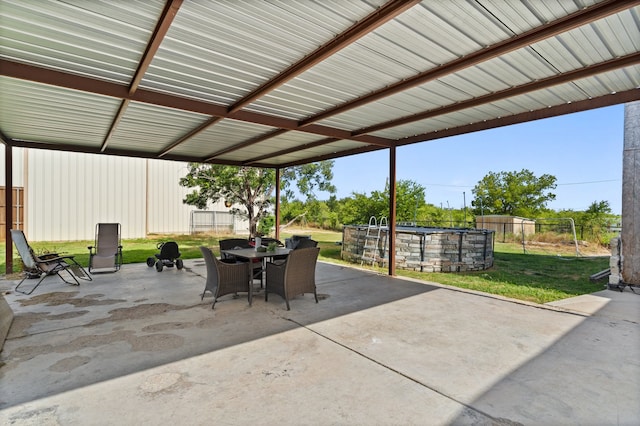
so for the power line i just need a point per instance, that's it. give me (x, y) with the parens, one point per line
(593, 181)
(559, 184)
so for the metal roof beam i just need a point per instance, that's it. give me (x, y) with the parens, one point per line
(164, 23)
(246, 143)
(116, 152)
(290, 150)
(342, 154)
(384, 14)
(574, 75)
(92, 85)
(567, 23)
(554, 111)
(189, 135)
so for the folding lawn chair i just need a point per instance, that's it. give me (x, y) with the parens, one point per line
(107, 252)
(43, 266)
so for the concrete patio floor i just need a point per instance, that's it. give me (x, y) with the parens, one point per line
(140, 347)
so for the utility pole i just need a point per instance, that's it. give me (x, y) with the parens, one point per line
(464, 203)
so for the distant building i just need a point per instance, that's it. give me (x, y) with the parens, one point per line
(503, 225)
(60, 196)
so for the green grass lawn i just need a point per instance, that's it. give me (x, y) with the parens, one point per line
(533, 277)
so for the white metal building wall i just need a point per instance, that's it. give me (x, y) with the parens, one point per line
(166, 213)
(18, 163)
(67, 194)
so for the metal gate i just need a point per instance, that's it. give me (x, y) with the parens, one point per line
(211, 221)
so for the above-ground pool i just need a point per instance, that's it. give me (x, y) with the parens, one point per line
(420, 248)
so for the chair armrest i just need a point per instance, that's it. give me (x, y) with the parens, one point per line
(48, 256)
(52, 259)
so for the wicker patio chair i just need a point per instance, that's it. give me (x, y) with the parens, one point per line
(294, 276)
(300, 244)
(225, 278)
(230, 244)
(233, 243)
(306, 243)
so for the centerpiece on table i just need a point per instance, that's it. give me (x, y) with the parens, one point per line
(272, 246)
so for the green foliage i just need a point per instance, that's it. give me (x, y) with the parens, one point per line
(593, 222)
(308, 178)
(409, 199)
(359, 208)
(290, 210)
(253, 188)
(266, 225)
(249, 187)
(513, 193)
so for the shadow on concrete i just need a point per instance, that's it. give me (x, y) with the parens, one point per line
(140, 346)
(66, 337)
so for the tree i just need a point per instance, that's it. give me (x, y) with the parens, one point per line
(249, 187)
(597, 219)
(359, 208)
(308, 178)
(409, 200)
(513, 193)
(251, 190)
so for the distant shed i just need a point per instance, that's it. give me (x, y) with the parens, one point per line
(503, 225)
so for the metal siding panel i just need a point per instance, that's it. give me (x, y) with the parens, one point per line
(221, 135)
(102, 39)
(378, 59)
(18, 161)
(71, 116)
(166, 211)
(151, 128)
(285, 141)
(219, 51)
(69, 193)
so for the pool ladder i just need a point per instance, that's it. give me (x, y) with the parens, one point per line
(372, 240)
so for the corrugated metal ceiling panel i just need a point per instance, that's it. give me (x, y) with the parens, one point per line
(149, 128)
(223, 134)
(32, 111)
(375, 61)
(103, 39)
(278, 143)
(523, 65)
(219, 51)
(327, 149)
(564, 93)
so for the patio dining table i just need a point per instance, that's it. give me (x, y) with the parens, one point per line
(251, 254)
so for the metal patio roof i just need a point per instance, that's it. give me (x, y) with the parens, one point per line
(281, 82)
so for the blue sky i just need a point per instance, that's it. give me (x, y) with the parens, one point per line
(582, 150)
